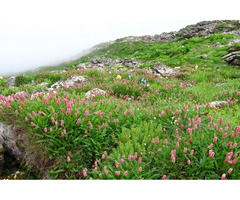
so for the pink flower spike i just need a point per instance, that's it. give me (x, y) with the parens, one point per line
(68, 159)
(188, 162)
(166, 141)
(215, 126)
(223, 177)
(215, 140)
(125, 173)
(140, 169)
(177, 144)
(100, 175)
(45, 130)
(117, 173)
(220, 120)
(192, 151)
(235, 155)
(220, 130)
(229, 144)
(16, 112)
(190, 139)
(234, 161)
(164, 177)
(185, 150)
(62, 123)
(122, 160)
(230, 170)
(224, 135)
(116, 164)
(129, 157)
(140, 160)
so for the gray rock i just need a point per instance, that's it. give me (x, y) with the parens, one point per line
(45, 84)
(94, 92)
(16, 144)
(163, 70)
(233, 58)
(233, 42)
(203, 56)
(11, 81)
(42, 91)
(71, 81)
(81, 66)
(219, 104)
(100, 63)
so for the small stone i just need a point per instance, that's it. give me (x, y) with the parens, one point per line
(94, 92)
(219, 104)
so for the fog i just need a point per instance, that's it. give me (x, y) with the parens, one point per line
(38, 33)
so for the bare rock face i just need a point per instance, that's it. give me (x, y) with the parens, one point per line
(100, 63)
(71, 81)
(94, 92)
(164, 70)
(16, 144)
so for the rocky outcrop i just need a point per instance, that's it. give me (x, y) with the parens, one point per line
(233, 58)
(94, 92)
(16, 143)
(108, 62)
(71, 81)
(201, 29)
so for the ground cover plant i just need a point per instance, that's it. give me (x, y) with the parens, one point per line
(145, 127)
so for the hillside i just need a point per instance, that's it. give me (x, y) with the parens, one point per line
(149, 107)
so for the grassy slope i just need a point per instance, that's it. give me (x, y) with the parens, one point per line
(155, 98)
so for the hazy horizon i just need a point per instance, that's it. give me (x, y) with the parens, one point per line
(40, 33)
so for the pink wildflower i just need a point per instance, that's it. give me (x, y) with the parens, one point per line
(215, 140)
(164, 177)
(215, 126)
(125, 173)
(129, 157)
(116, 164)
(117, 173)
(220, 120)
(224, 135)
(210, 146)
(62, 123)
(26, 119)
(32, 124)
(185, 150)
(122, 160)
(188, 162)
(229, 144)
(86, 113)
(166, 141)
(223, 177)
(177, 144)
(140, 169)
(45, 130)
(16, 112)
(91, 127)
(234, 161)
(68, 159)
(190, 139)
(34, 114)
(192, 151)
(220, 130)
(140, 160)
(230, 170)
(100, 175)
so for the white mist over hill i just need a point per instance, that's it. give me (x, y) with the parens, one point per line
(38, 33)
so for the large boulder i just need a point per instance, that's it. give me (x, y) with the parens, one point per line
(15, 142)
(163, 70)
(71, 81)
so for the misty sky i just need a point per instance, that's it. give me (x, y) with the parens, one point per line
(34, 33)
